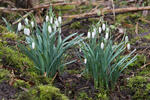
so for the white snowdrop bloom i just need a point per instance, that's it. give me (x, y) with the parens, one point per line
(49, 29)
(102, 45)
(100, 29)
(56, 23)
(93, 34)
(26, 31)
(60, 19)
(103, 27)
(85, 60)
(107, 36)
(33, 45)
(126, 39)
(19, 27)
(47, 18)
(51, 20)
(89, 35)
(32, 24)
(94, 30)
(26, 21)
(128, 46)
(80, 50)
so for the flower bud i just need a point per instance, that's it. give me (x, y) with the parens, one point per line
(19, 27)
(32, 24)
(126, 39)
(56, 23)
(33, 45)
(49, 29)
(107, 36)
(47, 18)
(60, 19)
(51, 20)
(128, 46)
(85, 60)
(103, 27)
(102, 45)
(26, 21)
(88, 35)
(100, 29)
(93, 34)
(26, 31)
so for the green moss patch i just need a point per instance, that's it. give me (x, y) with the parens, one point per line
(42, 92)
(4, 75)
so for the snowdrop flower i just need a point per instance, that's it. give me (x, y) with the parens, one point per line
(93, 34)
(94, 30)
(80, 50)
(107, 36)
(103, 27)
(85, 60)
(88, 35)
(128, 46)
(33, 45)
(60, 19)
(56, 23)
(100, 29)
(102, 45)
(19, 27)
(49, 29)
(26, 31)
(32, 24)
(26, 21)
(47, 18)
(51, 20)
(126, 39)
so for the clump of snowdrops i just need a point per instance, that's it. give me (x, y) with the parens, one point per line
(46, 47)
(102, 57)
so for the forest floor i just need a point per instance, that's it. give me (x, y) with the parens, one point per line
(134, 82)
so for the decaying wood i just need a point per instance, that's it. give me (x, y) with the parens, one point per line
(107, 11)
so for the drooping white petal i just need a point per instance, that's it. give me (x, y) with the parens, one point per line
(103, 27)
(94, 30)
(128, 46)
(33, 45)
(49, 29)
(107, 36)
(32, 24)
(85, 60)
(51, 20)
(47, 18)
(60, 19)
(19, 27)
(102, 45)
(93, 34)
(26, 21)
(56, 23)
(26, 31)
(126, 39)
(89, 35)
(80, 50)
(100, 29)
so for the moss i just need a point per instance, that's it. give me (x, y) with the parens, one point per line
(21, 83)
(141, 59)
(76, 25)
(14, 59)
(2, 29)
(137, 86)
(4, 75)
(42, 92)
(83, 96)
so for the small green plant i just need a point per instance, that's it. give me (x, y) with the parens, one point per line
(102, 57)
(46, 47)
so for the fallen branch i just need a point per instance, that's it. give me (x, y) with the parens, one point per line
(107, 11)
